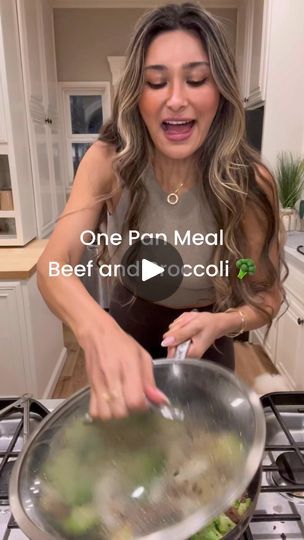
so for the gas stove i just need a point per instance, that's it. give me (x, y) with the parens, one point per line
(279, 513)
(19, 417)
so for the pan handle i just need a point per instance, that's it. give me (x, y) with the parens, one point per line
(182, 349)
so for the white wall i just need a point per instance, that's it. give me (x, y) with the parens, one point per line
(85, 37)
(284, 107)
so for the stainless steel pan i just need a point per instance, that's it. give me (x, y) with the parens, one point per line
(200, 392)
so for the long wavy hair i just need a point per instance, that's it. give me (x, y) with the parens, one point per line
(227, 166)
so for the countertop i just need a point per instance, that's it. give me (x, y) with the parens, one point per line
(294, 239)
(20, 262)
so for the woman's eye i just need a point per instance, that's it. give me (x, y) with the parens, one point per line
(156, 85)
(163, 84)
(197, 83)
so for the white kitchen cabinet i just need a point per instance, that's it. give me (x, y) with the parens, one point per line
(252, 45)
(17, 224)
(14, 376)
(55, 131)
(30, 137)
(40, 83)
(283, 122)
(289, 358)
(3, 133)
(31, 341)
(285, 345)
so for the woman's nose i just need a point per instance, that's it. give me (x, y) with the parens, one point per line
(177, 95)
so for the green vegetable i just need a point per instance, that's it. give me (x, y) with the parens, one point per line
(70, 479)
(229, 448)
(81, 521)
(129, 450)
(84, 439)
(243, 506)
(147, 465)
(224, 524)
(245, 266)
(209, 533)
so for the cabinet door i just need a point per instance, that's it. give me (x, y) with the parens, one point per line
(243, 46)
(54, 131)
(13, 380)
(17, 218)
(260, 20)
(290, 343)
(253, 30)
(32, 50)
(3, 134)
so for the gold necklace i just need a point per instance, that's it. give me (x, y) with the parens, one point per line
(173, 197)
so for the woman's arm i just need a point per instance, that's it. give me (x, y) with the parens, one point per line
(254, 227)
(119, 369)
(66, 296)
(204, 328)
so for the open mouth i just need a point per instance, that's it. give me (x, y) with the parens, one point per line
(178, 126)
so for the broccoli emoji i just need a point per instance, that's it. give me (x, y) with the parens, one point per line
(245, 266)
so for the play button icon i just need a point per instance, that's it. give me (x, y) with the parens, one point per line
(152, 270)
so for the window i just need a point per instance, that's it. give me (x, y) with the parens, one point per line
(86, 107)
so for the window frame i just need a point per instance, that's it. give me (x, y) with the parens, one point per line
(100, 88)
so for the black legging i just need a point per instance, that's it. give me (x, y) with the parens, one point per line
(147, 322)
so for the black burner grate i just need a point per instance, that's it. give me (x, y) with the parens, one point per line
(274, 402)
(23, 411)
(278, 403)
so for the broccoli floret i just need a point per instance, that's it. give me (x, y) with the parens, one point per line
(209, 533)
(224, 524)
(245, 266)
(243, 506)
(81, 521)
(143, 467)
(68, 478)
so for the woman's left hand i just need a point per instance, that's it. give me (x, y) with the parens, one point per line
(202, 328)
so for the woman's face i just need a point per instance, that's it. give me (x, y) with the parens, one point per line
(178, 87)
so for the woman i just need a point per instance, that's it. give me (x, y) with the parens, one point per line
(178, 70)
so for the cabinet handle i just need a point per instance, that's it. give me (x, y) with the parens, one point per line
(47, 120)
(300, 321)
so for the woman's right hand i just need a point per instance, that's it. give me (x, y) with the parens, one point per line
(120, 371)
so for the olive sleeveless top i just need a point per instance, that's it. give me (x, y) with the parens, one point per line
(193, 213)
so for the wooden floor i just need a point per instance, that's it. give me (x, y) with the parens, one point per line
(251, 361)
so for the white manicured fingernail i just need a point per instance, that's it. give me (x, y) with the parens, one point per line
(170, 340)
(163, 397)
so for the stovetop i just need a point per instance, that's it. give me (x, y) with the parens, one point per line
(279, 513)
(18, 419)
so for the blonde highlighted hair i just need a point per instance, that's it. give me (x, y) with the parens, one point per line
(229, 170)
